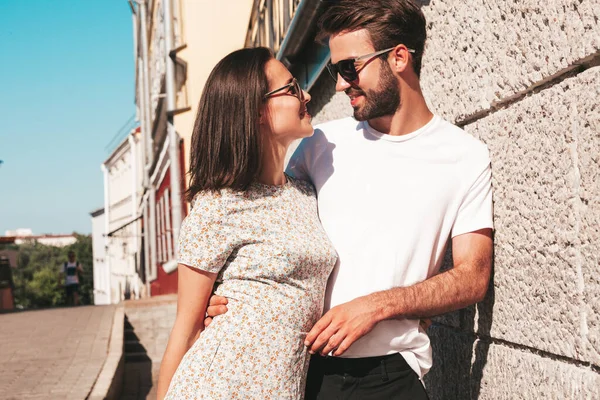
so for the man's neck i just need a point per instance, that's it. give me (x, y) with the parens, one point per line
(412, 114)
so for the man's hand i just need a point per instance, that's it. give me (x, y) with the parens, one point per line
(425, 323)
(343, 325)
(217, 305)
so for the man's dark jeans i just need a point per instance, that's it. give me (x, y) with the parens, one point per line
(385, 377)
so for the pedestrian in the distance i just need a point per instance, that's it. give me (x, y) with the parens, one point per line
(70, 271)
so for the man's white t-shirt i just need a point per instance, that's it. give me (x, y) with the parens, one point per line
(389, 205)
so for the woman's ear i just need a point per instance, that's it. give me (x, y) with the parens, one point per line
(263, 116)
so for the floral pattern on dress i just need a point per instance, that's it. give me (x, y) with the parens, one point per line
(273, 260)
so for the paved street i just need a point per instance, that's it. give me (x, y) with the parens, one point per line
(53, 354)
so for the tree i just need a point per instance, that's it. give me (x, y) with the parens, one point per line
(37, 278)
(83, 249)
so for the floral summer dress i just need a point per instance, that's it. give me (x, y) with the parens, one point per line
(273, 259)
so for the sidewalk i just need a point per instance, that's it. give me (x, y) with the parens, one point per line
(53, 354)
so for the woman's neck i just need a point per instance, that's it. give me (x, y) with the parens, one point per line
(272, 165)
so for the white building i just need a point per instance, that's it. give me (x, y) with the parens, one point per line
(122, 228)
(101, 275)
(25, 235)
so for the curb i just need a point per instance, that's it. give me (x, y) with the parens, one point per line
(109, 383)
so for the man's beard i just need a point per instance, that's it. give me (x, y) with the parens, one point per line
(383, 101)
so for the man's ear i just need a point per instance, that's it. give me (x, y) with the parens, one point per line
(400, 58)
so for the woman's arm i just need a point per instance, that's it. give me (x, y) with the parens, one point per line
(195, 287)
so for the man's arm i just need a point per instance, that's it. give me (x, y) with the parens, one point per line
(461, 286)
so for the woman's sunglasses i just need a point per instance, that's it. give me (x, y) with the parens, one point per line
(294, 90)
(347, 68)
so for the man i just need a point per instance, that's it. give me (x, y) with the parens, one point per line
(394, 184)
(70, 270)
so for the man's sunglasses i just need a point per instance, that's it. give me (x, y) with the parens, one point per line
(294, 90)
(347, 68)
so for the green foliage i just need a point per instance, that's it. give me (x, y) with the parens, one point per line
(37, 278)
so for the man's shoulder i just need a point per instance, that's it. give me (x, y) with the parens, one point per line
(337, 128)
(330, 132)
(461, 141)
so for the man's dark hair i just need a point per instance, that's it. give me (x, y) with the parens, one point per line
(389, 23)
(226, 148)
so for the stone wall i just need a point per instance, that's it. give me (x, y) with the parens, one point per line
(524, 77)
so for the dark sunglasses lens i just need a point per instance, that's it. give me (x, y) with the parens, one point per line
(334, 70)
(347, 70)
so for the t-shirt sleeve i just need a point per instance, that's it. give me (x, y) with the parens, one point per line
(205, 240)
(475, 211)
(297, 166)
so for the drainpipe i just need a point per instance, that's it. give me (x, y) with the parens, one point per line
(146, 123)
(106, 230)
(134, 181)
(175, 172)
(300, 29)
(149, 142)
(146, 244)
(153, 267)
(146, 89)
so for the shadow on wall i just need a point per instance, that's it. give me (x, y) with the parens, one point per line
(460, 355)
(321, 94)
(137, 382)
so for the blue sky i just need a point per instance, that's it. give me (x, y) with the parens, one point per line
(66, 88)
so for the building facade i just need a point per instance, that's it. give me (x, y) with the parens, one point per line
(117, 266)
(101, 277)
(25, 235)
(525, 79)
(176, 45)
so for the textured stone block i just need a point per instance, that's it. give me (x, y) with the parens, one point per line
(465, 368)
(481, 52)
(516, 374)
(544, 153)
(585, 143)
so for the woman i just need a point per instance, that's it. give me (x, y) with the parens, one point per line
(253, 230)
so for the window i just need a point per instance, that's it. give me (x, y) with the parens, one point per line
(169, 232)
(159, 231)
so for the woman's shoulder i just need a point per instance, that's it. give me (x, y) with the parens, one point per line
(305, 187)
(226, 200)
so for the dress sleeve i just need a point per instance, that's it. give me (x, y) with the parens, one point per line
(475, 211)
(205, 240)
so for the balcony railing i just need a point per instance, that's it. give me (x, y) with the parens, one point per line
(269, 22)
(288, 27)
